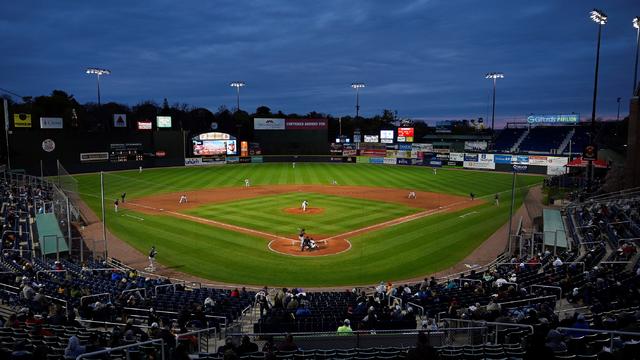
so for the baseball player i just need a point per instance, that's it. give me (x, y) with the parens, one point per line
(123, 195)
(152, 258)
(115, 205)
(435, 171)
(183, 199)
(497, 199)
(140, 170)
(412, 195)
(305, 203)
(301, 238)
(247, 183)
(293, 164)
(334, 182)
(472, 196)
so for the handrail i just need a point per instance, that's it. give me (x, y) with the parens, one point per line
(176, 313)
(572, 309)
(496, 324)
(599, 331)
(421, 308)
(198, 333)
(94, 295)
(527, 300)
(394, 297)
(47, 271)
(111, 323)
(469, 280)
(155, 288)
(110, 350)
(137, 290)
(547, 286)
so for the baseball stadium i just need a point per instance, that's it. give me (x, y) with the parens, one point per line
(143, 230)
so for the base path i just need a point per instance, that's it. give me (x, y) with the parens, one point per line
(432, 203)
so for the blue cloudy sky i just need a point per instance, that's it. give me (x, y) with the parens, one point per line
(424, 58)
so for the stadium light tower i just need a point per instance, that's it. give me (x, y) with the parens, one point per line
(494, 76)
(357, 86)
(636, 24)
(237, 85)
(98, 72)
(600, 18)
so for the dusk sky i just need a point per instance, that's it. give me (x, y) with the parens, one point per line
(424, 58)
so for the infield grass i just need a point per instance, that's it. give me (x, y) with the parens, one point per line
(266, 213)
(403, 251)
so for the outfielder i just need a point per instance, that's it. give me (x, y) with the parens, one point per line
(435, 171)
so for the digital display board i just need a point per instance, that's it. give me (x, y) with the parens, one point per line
(386, 136)
(145, 125)
(163, 121)
(405, 134)
(554, 119)
(214, 147)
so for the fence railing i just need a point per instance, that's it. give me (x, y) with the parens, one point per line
(127, 349)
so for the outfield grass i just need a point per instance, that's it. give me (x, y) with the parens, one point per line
(265, 213)
(408, 250)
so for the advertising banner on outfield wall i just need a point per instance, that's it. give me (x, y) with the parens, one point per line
(435, 163)
(373, 152)
(376, 160)
(557, 161)
(538, 160)
(257, 159)
(479, 165)
(404, 154)
(404, 161)
(233, 159)
(502, 159)
(485, 158)
(94, 156)
(192, 161)
(405, 147)
(557, 170)
(424, 148)
(520, 159)
(456, 156)
(362, 159)
(349, 150)
(470, 157)
(389, 160)
(392, 154)
(21, 120)
(268, 124)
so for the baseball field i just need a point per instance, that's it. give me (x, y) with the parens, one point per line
(366, 228)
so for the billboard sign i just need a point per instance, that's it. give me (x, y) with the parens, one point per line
(120, 120)
(21, 120)
(145, 125)
(485, 157)
(192, 161)
(517, 168)
(306, 124)
(520, 159)
(94, 156)
(268, 124)
(386, 136)
(456, 156)
(244, 148)
(371, 138)
(163, 121)
(405, 134)
(480, 165)
(538, 160)
(554, 119)
(470, 157)
(51, 123)
(376, 160)
(435, 163)
(475, 145)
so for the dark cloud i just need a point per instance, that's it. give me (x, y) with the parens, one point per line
(425, 58)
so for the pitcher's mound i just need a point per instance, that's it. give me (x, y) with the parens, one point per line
(298, 211)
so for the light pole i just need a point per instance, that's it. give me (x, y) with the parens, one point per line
(600, 18)
(618, 117)
(98, 72)
(237, 85)
(494, 76)
(357, 86)
(636, 24)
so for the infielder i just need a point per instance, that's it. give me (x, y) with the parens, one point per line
(497, 199)
(305, 203)
(115, 205)
(412, 195)
(247, 183)
(334, 182)
(183, 199)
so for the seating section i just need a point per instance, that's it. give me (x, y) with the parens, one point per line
(507, 138)
(544, 139)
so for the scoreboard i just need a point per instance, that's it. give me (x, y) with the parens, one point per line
(126, 152)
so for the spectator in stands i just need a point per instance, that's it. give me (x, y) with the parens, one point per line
(74, 349)
(554, 341)
(228, 346)
(423, 349)
(293, 304)
(288, 344)
(303, 311)
(235, 293)
(345, 328)
(247, 347)
(557, 262)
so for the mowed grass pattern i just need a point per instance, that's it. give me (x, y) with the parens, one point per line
(404, 251)
(340, 214)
